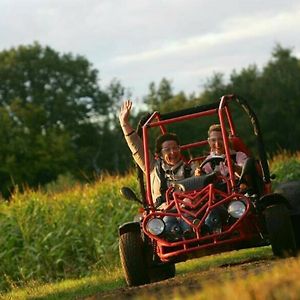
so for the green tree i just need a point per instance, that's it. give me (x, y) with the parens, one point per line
(273, 93)
(158, 97)
(214, 88)
(114, 145)
(151, 100)
(51, 112)
(164, 91)
(280, 95)
(246, 83)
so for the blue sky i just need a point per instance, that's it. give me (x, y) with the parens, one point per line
(139, 41)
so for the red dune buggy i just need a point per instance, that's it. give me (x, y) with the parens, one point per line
(204, 214)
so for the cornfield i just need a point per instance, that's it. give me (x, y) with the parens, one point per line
(46, 237)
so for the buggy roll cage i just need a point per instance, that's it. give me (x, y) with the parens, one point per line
(221, 108)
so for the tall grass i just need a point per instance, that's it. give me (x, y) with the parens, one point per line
(286, 166)
(46, 237)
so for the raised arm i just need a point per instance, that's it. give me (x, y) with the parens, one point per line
(134, 142)
(124, 117)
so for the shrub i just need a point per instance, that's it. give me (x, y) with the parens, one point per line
(286, 167)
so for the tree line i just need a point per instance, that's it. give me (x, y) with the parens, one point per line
(55, 119)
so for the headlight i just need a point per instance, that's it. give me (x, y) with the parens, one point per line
(236, 209)
(155, 226)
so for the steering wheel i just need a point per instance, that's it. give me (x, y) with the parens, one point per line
(221, 181)
(213, 160)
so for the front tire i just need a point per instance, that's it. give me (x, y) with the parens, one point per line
(280, 229)
(133, 259)
(162, 272)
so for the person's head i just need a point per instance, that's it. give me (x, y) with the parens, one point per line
(167, 147)
(215, 139)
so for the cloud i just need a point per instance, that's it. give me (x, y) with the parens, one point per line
(233, 31)
(138, 41)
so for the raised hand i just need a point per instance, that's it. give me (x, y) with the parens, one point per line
(125, 112)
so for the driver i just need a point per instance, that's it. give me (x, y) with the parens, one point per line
(168, 168)
(216, 144)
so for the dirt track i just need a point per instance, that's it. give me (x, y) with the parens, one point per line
(187, 282)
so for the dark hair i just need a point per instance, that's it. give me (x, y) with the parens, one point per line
(163, 138)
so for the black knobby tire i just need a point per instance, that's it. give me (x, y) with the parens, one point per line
(296, 226)
(291, 191)
(162, 272)
(132, 254)
(280, 229)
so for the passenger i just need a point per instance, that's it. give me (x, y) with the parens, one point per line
(164, 171)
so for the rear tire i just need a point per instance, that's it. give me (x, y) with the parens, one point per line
(296, 226)
(133, 259)
(291, 191)
(280, 230)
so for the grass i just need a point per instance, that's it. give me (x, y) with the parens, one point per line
(69, 289)
(280, 282)
(286, 167)
(49, 237)
(227, 258)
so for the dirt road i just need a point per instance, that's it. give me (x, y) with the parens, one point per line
(187, 282)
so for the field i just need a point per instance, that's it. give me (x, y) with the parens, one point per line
(68, 239)
(46, 236)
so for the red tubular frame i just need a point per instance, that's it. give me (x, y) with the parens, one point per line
(205, 203)
(204, 200)
(225, 136)
(183, 118)
(151, 123)
(147, 158)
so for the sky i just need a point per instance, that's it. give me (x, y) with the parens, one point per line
(140, 41)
